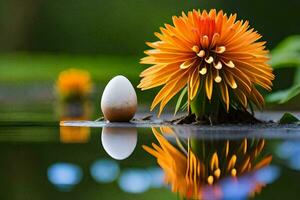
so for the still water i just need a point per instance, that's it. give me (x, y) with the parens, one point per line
(45, 161)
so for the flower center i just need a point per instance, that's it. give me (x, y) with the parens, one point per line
(210, 58)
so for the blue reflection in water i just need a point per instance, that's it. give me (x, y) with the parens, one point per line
(267, 175)
(290, 151)
(64, 175)
(295, 162)
(243, 186)
(105, 171)
(157, 177)
(237, 189)
(135, 180)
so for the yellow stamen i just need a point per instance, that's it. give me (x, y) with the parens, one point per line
(234, 85)
(220, 49)
(210, 180)
(231, 162)
(233, 172)
(214, 163)
(201, 53)
(227, 148)
(209, 60)
(217, 173)
(195, 49)
(245, 145)
(230, 64)
(218, 65)
(218, 79)
(203, 71)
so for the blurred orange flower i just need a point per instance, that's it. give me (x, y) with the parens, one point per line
(211, 54)
(74, 82)
(74, 134)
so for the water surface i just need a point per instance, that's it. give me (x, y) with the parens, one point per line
(45, 161)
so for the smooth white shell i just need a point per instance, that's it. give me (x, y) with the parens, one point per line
(119, 143)
(119, 101)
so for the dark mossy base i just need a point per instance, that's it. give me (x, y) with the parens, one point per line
(233, 117)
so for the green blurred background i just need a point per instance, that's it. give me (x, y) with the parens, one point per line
(121, 27)
(40, 38)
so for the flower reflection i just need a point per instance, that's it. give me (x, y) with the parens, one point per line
(74, 134)
(75, 111)
(247, 184)
(199, 169)
(64, 175)
(119, 143)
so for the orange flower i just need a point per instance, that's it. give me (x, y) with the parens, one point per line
(202, 48)
(188, 172)
(70, 134)
(74, 82)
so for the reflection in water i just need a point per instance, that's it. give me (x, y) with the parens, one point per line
(243, 186)
(74, 134)
(135, 180)
(213, 169)
(119, 143)
(77, 110)
(267, 175)
(105, 171)
(290, 151)
(156, 175)
(64, 175)
(73, 89)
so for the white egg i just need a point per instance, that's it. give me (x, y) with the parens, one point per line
(119, 101)
(119, 143)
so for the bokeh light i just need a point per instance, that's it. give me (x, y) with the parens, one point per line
(247, 184)
(135, 181)
(64, 176)
(105, 171)
(157, 177)
(290, 152)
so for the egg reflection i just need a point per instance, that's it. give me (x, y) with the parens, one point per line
(64, 176)
(119, 143)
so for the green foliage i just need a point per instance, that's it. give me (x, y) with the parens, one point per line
(283, 96)
(286, 54)
(288, 118)
(179, 101)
